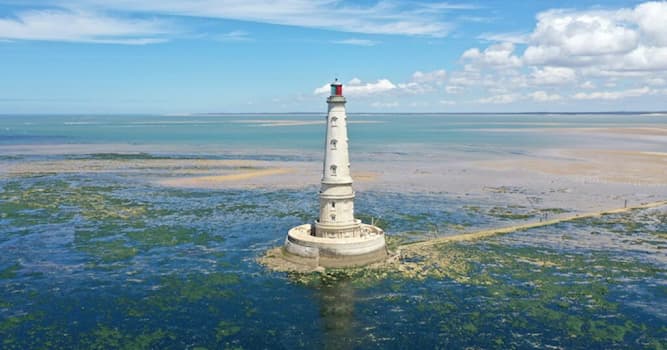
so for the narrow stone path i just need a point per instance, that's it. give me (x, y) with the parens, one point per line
(471, 236)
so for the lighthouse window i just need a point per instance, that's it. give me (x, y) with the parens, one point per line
(334, 121)
(333, 170)
(333, 217)
(333, 204)
(333, 143)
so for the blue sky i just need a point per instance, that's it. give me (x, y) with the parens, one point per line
(169, 56)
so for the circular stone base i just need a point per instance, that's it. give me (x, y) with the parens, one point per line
(336, 252)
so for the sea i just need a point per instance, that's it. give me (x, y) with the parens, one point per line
(109, 260)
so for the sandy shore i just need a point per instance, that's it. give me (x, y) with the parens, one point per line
(219, 180)
(575, 180)
(632, 169)
(174, 166)
(647, 131)
(617, 166)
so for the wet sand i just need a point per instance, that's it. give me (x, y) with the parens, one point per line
(218, 180)
(576, 179)
(614, 166)
(646, 131)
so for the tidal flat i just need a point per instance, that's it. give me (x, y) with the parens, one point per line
(96, 261)
(98, 251)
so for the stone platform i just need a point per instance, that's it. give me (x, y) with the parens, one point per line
(304, 248)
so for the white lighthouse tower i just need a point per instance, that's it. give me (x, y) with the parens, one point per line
(336, 239)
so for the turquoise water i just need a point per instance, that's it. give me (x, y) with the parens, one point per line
(113, 261)
(375, 132)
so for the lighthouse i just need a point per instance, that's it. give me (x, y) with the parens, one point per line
(336, 238)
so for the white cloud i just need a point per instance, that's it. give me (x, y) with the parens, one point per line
(650, 16)
(602, 47)
(356, 42)
(514, 38)
(383, 17)
(613, 95)
(237, 35)
(392, 104)
(587, 85)
(495, 55)
(78, 26)
(543, 96)
(322, 90)
(423, 82)
(642, 58)
(419, 83)
(465, 78)
(453, 89)
(436, 76)
(656, 81)
(360, 88)
(500, 99)
(553, 75)
(583, 33)
(381, 85)
(629, 39)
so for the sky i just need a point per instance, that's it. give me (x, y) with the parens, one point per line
(209, 56)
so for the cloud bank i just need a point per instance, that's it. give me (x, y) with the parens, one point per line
(569, 56)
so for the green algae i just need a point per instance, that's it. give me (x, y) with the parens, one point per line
(10, 271)
(638, 223)
(244, 208)
(554, 210)
(175, 289)
(166, 236)
(415, 217)
(473, 209)
(370, 219)
(109, 251)
(568, 295)
(511, 213)
(96, 203)
(303, 216)
(57, 201)
(112, 338)
(12, 322)
(38, 203)
(505, 189)
(113, 229)
(547, 287)
(226, 329)
(533, 287)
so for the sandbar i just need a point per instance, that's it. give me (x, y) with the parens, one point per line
(215, 180)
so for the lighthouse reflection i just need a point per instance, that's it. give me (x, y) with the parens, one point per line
(337, 298)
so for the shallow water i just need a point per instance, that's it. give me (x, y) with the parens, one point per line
(368, 132)
(109, 261)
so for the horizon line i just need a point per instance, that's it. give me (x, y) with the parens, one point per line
(211, 114)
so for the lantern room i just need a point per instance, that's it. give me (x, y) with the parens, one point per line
(336, 88)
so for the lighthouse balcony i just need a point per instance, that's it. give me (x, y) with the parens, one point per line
(339, 99)
(353, 231)
(343, 180)
(345, 231)
(302, 247)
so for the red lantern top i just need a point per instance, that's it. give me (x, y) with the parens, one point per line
(336, 88)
